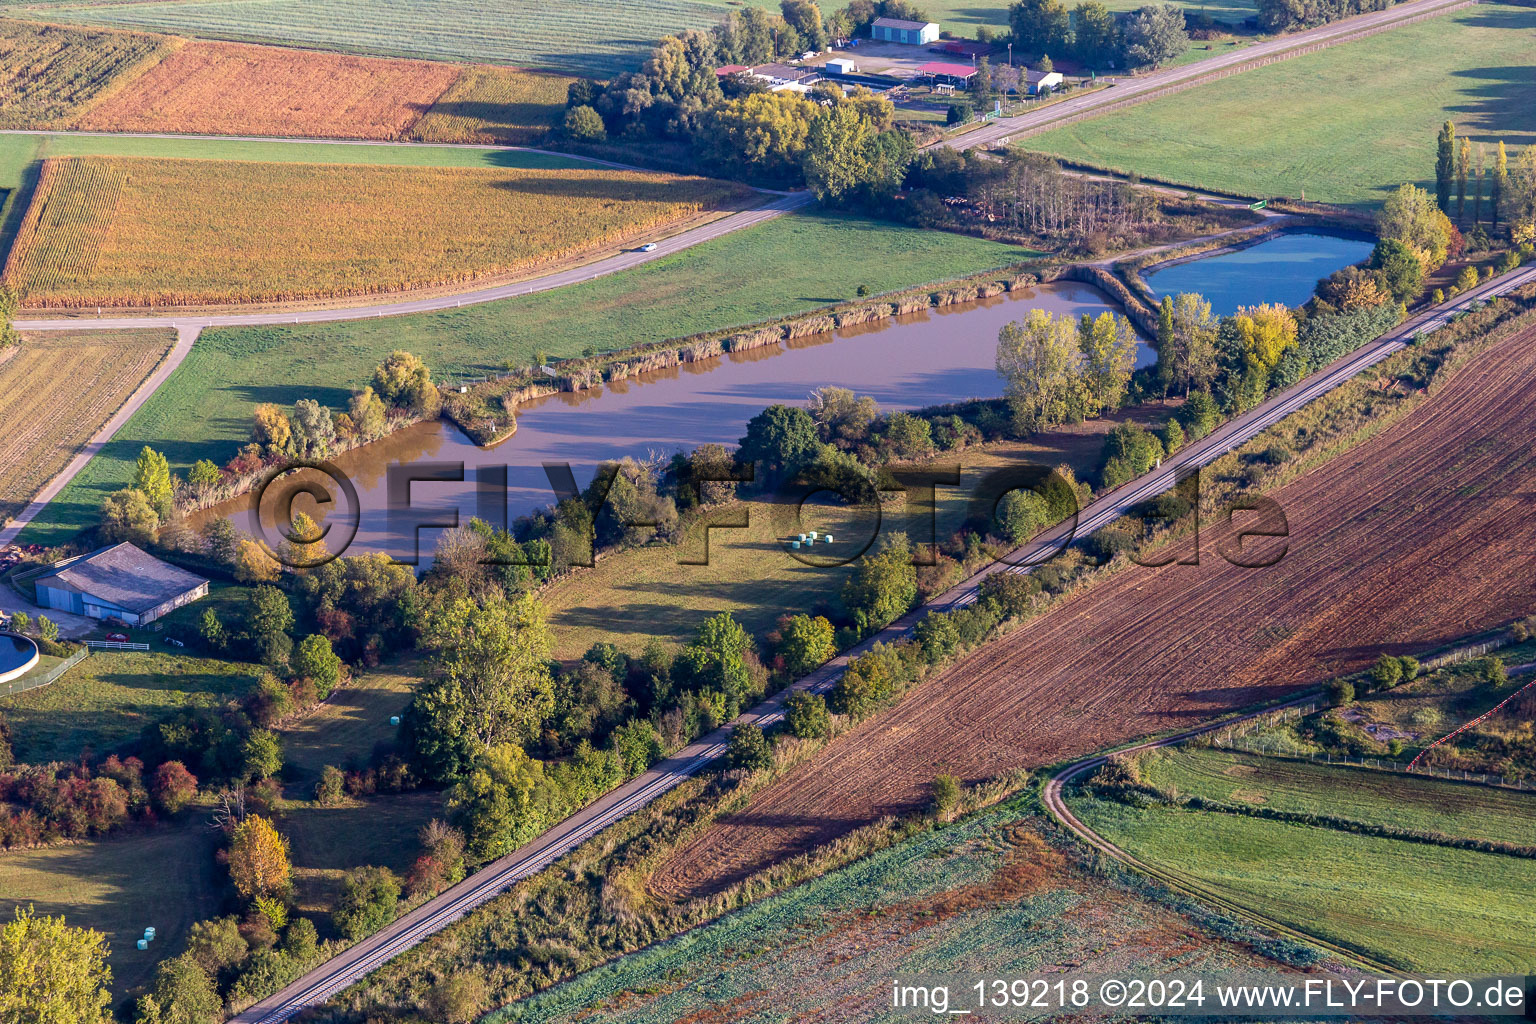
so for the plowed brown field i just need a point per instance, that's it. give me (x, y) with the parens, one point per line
(234, 89)
(1415, 537)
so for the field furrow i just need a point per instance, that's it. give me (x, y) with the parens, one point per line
(1414, 538)
(120, 231)
(56, 391)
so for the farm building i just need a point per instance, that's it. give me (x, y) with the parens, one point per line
(785, 76)
(912, 33)
(730, 69)
(118, 582)
(948, 74)
(841, 66)
(1038, 82)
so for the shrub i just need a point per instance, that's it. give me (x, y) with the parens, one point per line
(1387, 672)
(1410, 666)
(805, 642)
(583, 124)
(331, 787)
(459, 999)
(173, 787)
(748, 749)
(945, 795)
(1011, 592)
(938, 637)
(1199, 415)
(806, 715)
(367, 901)
(1340, 692)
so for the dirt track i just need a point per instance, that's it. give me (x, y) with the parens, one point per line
(1415, 537)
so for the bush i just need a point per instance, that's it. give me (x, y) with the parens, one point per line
(1199, 415)
(1340, 692)
(959, 112)
(806, 716)
(173, 787)
(457, 1000)
(1011, 592)
(748, 749)
(1387, 672)
(945, 795)
(583, 124)
(331, 787)
(314, 660)
(1410, 666)
(367, 901)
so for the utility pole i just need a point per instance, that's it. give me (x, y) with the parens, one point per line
(1010, 55)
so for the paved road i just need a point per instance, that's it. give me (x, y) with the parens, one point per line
(334, 976)
(1144, 86)
(185, 336)
(601, 268)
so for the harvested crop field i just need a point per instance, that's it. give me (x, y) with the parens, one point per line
(574, 35)
(56, 391)
(233, 89)
(496, 105)
(986, 894)
(50, 73)
(1413, 538)
(119, 231)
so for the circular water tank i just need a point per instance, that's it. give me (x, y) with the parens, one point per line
(18, 656)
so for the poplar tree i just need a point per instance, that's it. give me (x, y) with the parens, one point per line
(1477, 187)
(1463, 164)
(1500, 183)
(1445, 166)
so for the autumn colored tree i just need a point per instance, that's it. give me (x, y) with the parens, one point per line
(258, 858)
(51, 973)
(254, 565)
(272, 430)
(152, 476)
(172, 787)
(127, 515)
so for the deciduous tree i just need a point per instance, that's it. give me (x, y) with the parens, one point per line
(51, 973)
(258, 858)
(152, 476)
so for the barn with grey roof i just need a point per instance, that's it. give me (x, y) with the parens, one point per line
(120, 582)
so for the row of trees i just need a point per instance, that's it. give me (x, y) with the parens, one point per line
(1092, 34)
(1467, 187)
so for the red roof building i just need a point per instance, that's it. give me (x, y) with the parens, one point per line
(939, 70)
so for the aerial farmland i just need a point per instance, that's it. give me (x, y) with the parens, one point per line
(695, 510)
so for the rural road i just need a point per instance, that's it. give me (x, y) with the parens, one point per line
(1054, 799)
(1143, 87)
(185, 336)
(559, 279)
(337, 974)
(1056, 805)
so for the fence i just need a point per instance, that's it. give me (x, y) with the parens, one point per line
(30, 681)
(116, 645)
(1252, 746)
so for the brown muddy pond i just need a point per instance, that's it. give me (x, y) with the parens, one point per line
(906, 362)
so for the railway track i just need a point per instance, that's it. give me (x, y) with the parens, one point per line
(352, 965)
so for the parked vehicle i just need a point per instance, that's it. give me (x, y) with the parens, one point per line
(119, 638)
